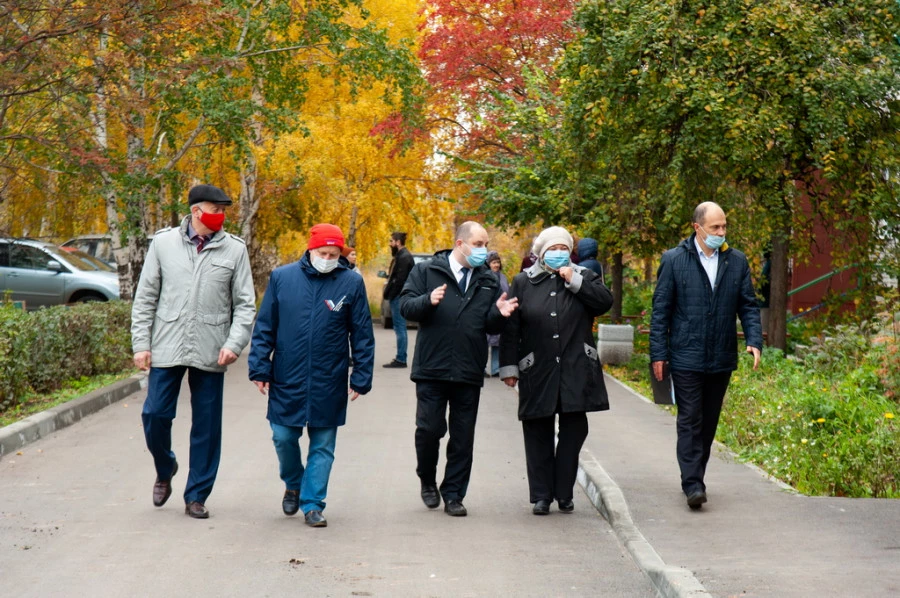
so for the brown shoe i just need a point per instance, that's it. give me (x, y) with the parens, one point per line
(162, 489)
(196, 510)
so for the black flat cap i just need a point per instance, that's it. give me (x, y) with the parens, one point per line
(208, 193)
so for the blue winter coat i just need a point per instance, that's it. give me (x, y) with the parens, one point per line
(300, 343)
(693, 326)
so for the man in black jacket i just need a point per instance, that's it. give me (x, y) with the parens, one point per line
(401, 265)
(701, 286)
(456, 300)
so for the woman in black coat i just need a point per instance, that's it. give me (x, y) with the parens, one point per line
(548, 348)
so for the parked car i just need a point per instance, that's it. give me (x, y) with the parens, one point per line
(386, 318)
(99, 246)
(42, 274)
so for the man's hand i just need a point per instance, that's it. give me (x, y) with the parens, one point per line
(262, 386)
(142, 360)
(226, 357)
(511, 381)
(507, 306)
(352, 394)
(566, 273)
(658, 370)
(438, 294)
(756, 354)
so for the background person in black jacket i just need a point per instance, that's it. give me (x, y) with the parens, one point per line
(548, 348)
(456, 300)
(701, 286)
(401, 265)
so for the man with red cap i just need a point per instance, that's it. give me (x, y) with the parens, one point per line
(313, 319)
(193, 311)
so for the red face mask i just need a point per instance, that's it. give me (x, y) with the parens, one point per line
(213, 222)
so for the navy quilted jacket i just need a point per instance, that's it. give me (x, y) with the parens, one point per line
(693, 326)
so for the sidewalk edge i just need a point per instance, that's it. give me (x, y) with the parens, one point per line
(607, 498)
(40, 425)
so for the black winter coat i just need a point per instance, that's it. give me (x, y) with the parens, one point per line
(451, 344)
(549, 342)
(693, 326)
(401, 266)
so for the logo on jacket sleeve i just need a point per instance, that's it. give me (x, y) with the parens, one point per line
(332, 306)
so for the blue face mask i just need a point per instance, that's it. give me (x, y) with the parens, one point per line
(477, 257)
(556, 258)
(713, 241)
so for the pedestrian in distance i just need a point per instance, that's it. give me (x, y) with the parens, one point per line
(548, 349)
(193, 311)
(457, 301)
(496, 265)
(401, 265)
(702, 286)
(311, 312)
(587, 255)
(350, 253)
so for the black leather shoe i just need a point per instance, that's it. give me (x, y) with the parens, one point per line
(696, 499)
(290, 504)
(566, 506)
(162, 489)
(196, 510)
(315, 519)
(541, 507)
(455, 508)
(395, 364)
(430, 496)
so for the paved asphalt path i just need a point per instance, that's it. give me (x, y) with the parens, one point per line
(76, 517)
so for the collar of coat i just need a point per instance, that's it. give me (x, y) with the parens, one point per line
(536, 272)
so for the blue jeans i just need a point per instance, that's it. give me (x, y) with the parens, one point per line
(206, 425)
(312, 480)
(399, 323)
(495, 360)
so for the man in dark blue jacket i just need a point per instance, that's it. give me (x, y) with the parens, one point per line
(702, 285)
(299, 357)
(456, 300)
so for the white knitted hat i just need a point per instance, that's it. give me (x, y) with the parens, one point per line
(555, 235)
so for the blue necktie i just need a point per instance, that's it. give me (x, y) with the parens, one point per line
(462, 281)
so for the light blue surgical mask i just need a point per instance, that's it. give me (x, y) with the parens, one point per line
(556, 258)
(477, 256)
(713, 241)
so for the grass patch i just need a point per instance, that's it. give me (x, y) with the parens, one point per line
(35, 403)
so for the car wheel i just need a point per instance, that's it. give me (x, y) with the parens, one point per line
(89, 298)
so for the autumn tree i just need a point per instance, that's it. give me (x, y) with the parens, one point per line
(156, 82)
(744, 102)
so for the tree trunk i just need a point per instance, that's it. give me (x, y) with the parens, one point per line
(351, 229)
(648, 269)
(778, 301)
(250, 199)
(618, 271)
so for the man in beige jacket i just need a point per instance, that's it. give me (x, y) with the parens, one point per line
(193, 312)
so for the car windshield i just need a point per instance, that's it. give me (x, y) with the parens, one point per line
(89, 260)
(74, 259)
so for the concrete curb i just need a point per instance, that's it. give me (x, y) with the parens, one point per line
(607, 498)
(39, 425)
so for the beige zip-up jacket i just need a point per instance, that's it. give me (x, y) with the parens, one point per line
(188, 305)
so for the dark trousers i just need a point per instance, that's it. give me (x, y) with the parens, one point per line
(699, 398)
(431, 425)
(206, 425)
(552, 471)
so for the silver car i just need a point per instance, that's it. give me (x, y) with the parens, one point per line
(41, 274)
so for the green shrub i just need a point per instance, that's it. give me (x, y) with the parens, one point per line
(41, 350)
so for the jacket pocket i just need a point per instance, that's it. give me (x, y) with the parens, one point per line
(167, 315)
(591, 352)
(221, 269)
(216, 319)
(526, 362)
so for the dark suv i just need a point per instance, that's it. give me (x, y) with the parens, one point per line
(41, 274)
(386, 318)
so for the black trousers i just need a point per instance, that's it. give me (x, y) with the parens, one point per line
(552, 472)
(433, 398)
(699, 398)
